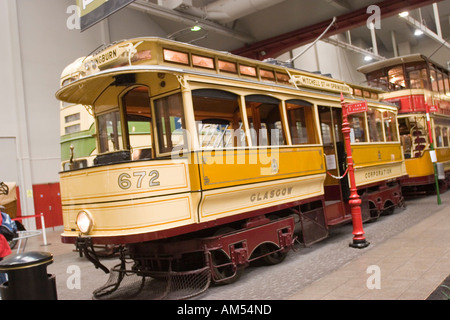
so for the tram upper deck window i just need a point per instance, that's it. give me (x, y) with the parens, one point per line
(390, 126)
(110, 131)
(136, 105)
(357, 123)
(170, 123)
(440, 79)
(218, 119)
(264, 119)
(447, 85)
(301, 122)
(375, 123)
(417, 76)
(434, 80)
(378, 79)
(396, 78)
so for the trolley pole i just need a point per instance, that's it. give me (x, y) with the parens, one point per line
(432, 151)
(359, 240)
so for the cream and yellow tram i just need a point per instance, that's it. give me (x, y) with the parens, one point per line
(231, 157)
(417, 85)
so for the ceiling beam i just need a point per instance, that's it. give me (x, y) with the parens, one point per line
(272, 47)
(418, 25)
(187, 19)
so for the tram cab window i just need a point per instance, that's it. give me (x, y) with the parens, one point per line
(136, 105)
(301, 122)
(170, 123)
(375, 122)
(390, 126)
(357, 123)
(264, 119)
(110, 131)
(218, 118)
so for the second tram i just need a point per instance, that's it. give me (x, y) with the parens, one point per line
(418, 86)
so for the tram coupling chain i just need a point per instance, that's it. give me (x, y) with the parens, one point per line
(85, 246)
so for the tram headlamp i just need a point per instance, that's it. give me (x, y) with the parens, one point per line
(84, 222)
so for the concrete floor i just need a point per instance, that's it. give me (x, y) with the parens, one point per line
(409, 256)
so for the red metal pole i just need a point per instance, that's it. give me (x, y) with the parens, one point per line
(359, 241)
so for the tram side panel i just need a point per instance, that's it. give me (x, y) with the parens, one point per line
(259, 179)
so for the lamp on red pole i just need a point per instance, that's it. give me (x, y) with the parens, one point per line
(359, 240)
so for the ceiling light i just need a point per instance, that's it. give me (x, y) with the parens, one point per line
(196, 28)
(418, 32)
(368, 58)
(404, 14)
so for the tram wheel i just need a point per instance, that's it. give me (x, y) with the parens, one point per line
(225, 273)
(388, 208)
(272, 258)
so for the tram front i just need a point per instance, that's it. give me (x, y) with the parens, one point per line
(136, 185)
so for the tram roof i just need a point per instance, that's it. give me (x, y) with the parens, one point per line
(417, 57)
(98, 69)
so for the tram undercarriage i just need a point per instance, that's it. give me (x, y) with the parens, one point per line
(185, 267)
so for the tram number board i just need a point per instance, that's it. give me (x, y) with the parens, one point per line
(357, 107)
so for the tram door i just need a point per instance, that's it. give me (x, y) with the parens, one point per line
(334, 148)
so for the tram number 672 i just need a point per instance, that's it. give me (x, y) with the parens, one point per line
(125, 180)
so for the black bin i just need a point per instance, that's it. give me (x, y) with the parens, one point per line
(27, 277)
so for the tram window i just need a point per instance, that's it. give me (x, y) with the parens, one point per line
(396, 78)
(218, 119)
(267, 75)
(378, 79)
(447, 84)
(227, 66)
(301, 122)
(136, 104)
(375, 123)
(390, 126)
(357, 123)
(418, 79)
(170, 123)
(264, 120)
(440, 78)
(110, 132)
(438, 133)
(445, 136)
(434, 80)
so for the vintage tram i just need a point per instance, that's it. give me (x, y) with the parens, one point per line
(205, 161)
(418, 86)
